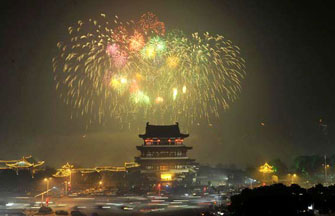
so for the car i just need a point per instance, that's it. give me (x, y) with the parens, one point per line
(73, 195)
(61, 212)
(127, 208)
(151, 208)
(45, 210)
(77, 213)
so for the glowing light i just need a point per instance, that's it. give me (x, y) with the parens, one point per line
(166, 177)
(175, 92)
(136, 42)
(266, 168)
(172, 61)
(112, 49)
(159, 100)
(20, 164)
(149, 141)
(123, 80)
(140, 97)
(115, 83)
(149, 52)
(150, 23)
(67, 169)
(184, 89)
(120, 59)
(179, 141)
(138, 76)
(158, 44)
(134, 87)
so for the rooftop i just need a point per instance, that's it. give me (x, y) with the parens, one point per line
(162, 131)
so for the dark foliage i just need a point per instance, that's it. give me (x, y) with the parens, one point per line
(281, 200)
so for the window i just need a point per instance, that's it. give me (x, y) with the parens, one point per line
(163, 154)
(179, 141)
(148, 141)
(179, 166)
(163, 168)
(166, 177)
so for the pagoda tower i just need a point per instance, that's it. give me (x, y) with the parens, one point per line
(163, 156)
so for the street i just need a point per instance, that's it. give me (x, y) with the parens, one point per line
(122, 205)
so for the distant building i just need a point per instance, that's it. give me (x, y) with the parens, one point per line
(163, 156)
(219, 176)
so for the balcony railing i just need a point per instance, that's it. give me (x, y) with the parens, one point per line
(161, 158)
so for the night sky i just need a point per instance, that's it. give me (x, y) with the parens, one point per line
(288, 47)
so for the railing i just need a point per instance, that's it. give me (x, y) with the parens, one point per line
(160, 158)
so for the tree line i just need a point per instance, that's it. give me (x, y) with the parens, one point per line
(279, 199)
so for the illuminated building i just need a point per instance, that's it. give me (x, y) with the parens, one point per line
(266, 168)
(26, 163)
(164, 155)
(85, 176)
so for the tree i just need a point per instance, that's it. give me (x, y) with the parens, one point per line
(308, 165)
(275, 200)
(279, 166)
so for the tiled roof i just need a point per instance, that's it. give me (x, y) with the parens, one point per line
(162, 131)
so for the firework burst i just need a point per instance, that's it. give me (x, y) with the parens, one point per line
(136, 70)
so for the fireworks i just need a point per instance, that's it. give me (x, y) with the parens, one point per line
(136, 70)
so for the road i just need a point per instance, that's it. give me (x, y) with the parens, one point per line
(122, 205)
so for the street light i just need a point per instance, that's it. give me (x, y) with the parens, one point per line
(100, 183)
(42, 194)
(65, 185)
(326, 166)
(70, 178)
(292, 176)
(47, 180)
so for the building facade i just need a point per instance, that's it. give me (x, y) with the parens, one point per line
(163, 154)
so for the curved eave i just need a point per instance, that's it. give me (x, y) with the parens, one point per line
(145, 136)
(163, 147)
(163, 159)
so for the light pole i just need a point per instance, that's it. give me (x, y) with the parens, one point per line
(70, 179)
(42, 194)
(42, 197)
(325, 168)
(293, 177)
(65, 185)
(290, 178)
(47, 180)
